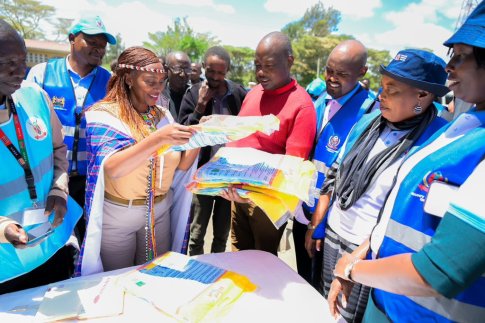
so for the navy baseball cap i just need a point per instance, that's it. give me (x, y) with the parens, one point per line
(472, 32)
(92, 26)
(420, 69)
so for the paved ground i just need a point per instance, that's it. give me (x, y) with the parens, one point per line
(286, 253)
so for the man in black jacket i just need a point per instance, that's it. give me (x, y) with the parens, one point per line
(179, 70)
(215, 95)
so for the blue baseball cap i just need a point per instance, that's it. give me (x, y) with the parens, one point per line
(420, 69)
(472, 32)
(92, 26)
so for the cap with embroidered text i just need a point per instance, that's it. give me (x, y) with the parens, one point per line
(420, 69)
(92, 26)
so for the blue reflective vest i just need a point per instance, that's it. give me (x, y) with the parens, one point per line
(57, 83)
(34, 116)
(354, 135)
(333, 135)
(36, 127)
(410, 228)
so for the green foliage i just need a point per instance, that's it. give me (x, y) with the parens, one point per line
(25, 16)
(312, 41)
(242, 66)
(375, 59)
(311, 53)
(62, 27)
(113, 51)
(180, 37)
(317, 21)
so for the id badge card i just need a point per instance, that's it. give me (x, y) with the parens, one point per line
(32, 216)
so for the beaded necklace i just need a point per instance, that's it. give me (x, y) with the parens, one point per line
(150, 118)
(150, 242)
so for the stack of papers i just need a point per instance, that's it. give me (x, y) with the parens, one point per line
(276, 183)
(186, 289)
(81, 299)
(221, 129)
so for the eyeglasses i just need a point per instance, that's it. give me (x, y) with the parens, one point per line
(178, 70)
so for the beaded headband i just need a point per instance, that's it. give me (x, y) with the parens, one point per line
(139, 68)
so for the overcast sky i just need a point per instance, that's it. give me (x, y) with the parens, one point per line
(379, 24)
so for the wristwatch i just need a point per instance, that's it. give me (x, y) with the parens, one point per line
(348, 269)
(310, 226)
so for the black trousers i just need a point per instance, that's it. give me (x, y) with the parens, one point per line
(77, 190)
(308, 268)
(203, 208)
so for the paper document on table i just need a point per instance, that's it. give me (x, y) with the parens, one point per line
(81, 299)
(221, 129)
(186, 289)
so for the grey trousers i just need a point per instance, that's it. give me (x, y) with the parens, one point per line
(123, 237)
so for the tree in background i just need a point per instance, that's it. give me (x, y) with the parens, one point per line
(312, 42)
(375, 59)
(180, 37)
(113, 52)
(25, 16)
(317, 21)
(311, 55)
(242, 64)
(62, 27)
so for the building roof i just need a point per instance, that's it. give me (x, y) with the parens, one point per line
(47, 46)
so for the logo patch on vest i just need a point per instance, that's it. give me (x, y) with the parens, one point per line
(58, 102)
(36, 128)
(333, 143)
(430, 178)
(423, 188)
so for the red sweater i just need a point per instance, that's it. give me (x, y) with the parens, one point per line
(294, 107)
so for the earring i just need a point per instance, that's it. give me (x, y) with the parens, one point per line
(418, 109)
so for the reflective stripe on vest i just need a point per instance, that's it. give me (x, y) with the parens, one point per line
(69, 131)
(451, 309)
(321, 167)
(334, 134)
(18, 185)
(34, 116)
(411, 238)
(57, 83)
(410, 228)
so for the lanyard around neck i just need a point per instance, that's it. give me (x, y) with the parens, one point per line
(21, 156)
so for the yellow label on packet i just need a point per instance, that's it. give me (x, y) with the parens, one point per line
(216, 300)
(163, 150)
(239, 280)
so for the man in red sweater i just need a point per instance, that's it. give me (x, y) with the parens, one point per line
(277, 93)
